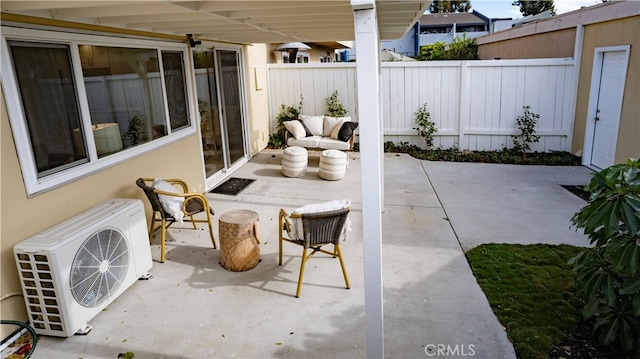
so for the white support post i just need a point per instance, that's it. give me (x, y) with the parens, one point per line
(371, 157)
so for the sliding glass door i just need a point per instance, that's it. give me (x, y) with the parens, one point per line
(231, 97)
(221, 106)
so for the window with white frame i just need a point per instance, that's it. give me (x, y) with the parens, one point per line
(79, 103)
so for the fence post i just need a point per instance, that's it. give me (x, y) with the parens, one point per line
(465, 102)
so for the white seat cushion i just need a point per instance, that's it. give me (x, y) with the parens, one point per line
(295, 230)
(309, 142)
(171, 204)
(331, 144)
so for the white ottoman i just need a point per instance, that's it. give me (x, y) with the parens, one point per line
(294, 161)
(333, 165)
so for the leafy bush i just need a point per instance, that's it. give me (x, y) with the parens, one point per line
(608, 274)
(287, 113)
(463, 48)
(431, 52)
(527, 126)
(426, 128)
(334, 107)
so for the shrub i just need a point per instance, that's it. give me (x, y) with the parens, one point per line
(463, 48)
(426, 128)
(527, 126)
(608, 274)
(287, 113)
(434, 51)
(334, 107)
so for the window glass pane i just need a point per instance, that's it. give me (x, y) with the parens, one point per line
(176, 89)
(124, 91)
(48, 93)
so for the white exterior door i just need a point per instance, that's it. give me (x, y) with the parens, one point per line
(610, 69)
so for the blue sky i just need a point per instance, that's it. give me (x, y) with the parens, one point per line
(503, 8)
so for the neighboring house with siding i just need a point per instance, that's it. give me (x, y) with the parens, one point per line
(327, 51)
(97, 94)
(444, 27)
(605, 40)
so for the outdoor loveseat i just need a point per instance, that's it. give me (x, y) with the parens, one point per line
(323, 132)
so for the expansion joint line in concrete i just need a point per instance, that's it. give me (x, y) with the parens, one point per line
(442, 205)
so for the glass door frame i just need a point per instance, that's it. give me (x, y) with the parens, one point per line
(228, 168)
(231, 167)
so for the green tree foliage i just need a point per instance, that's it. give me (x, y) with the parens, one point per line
(533, 7)
(440, 6)
(434, 51)
(608, 273)
(462, 48)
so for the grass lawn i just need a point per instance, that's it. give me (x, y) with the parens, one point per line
(531, 290)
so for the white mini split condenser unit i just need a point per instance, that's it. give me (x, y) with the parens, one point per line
(72, 271)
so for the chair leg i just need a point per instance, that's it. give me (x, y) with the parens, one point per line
(193, 222)
(280, 229)
(213, 240)
(304, 261)
(152, 226)
(162, 245)
(337, 250)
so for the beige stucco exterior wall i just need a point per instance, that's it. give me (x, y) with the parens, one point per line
(556, 44)
(612, 33)
(23, 217)
(257, 96)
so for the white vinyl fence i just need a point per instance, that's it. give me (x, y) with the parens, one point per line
(473, 103)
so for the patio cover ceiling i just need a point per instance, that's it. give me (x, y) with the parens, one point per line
(238, 21)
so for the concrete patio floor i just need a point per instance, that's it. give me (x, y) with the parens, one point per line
(194, 308)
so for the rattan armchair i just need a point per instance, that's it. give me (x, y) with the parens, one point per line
(194, 203)
(318, 229)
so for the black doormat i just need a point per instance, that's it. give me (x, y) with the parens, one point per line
(578, 190)
(232, 186)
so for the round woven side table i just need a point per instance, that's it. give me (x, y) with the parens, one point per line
(294, 161)
(333, 165)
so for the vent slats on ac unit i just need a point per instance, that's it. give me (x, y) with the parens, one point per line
(37, 280)
(70, 272)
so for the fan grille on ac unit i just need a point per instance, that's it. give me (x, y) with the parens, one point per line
(99, 267)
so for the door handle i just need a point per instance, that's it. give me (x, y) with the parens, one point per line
(597, 118)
